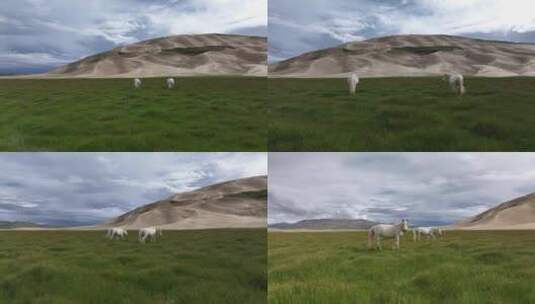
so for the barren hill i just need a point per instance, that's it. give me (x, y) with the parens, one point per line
(208, 54)
(413, 55)
(232, 204)
(518, 213)
(326, 224)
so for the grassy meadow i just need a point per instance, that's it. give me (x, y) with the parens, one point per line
(199, 114)
(401, 114)
(463, 267)
(56, 267)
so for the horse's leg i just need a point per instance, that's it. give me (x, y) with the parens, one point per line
(397, 241)
(378, 241)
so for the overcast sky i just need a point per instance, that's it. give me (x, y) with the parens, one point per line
(426, 188)
(299, 26)
(86, 188)
(38, 34)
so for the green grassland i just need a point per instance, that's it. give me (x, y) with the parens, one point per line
(401, 114)
(56, 267)
(199, 114)
(463, 267)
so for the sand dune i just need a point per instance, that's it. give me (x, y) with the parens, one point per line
(413, 55)
(518, 213)
(235, 204)
(182, 55)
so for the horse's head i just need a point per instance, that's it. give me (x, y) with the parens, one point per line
(404, 225)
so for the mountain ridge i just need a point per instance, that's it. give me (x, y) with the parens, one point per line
(237, 203)
(177, 55)
(325, 224)
(413, 55)
(518, 213)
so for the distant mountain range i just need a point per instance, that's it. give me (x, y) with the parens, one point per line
(413, 55)
(518, 213)
(326, 224)
(21, 224)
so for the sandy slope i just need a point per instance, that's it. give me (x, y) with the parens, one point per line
(239, 203)
(413, 55)
(518, 213)
(181, 55)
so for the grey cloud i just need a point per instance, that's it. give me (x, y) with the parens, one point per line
(39, 35)
(425, 187)
(90, 187)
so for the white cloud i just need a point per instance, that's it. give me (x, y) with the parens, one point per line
(458, 17)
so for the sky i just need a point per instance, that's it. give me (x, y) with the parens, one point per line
(37, 35)
(87, 188)
(426, 188)
(299, 26)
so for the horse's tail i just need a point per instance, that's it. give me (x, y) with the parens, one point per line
(370, 237)
(462, 90)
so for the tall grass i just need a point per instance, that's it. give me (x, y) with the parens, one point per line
(213, 266)
(401, 114)
(199, 114)
(464, 267)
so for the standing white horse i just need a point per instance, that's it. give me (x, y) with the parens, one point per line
(437, 231)
(170, 82)
(387, 231)
(429, 232)
(456, 82)
(118, 232)
(150, 232)
(137, 83)
(352, 82)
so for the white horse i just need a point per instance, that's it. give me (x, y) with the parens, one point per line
(170, 82)
(150, 232)
(118, 232)
(352, 82)
(456, 82)
(437, 231)
(429, 232)
(389, 231)
(137, 83)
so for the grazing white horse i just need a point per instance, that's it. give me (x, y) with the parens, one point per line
(456, 82)
(352, 82)
(150, 232)
(137, 83)
(429, 232)
(170, 82)
(387, 231)
(118, 232)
